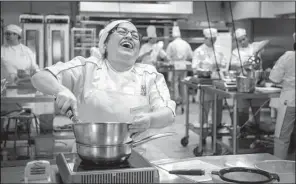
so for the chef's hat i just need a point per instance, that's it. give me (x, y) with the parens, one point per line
(14, 28)
(240, 32)
(106, 31)
(176, 31)
(151, 32)
(210, 32)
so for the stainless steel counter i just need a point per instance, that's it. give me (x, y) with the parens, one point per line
(23, 94)
(16, 174)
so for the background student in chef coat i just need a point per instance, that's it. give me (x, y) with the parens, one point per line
(239, 57)
(17, 60)
(284, 73)
(18, 63)
(152, 50)
(208, 57)
(178, 51)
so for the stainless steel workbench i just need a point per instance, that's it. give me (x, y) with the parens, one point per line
(235, 96)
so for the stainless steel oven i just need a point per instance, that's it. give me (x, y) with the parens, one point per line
(57, 38)
(33, 35)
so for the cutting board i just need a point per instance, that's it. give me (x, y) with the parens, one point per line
(192, 164)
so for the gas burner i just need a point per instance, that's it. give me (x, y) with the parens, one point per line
(135, 170)
(90, 166)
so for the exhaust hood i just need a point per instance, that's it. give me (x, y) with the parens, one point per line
(149, 9)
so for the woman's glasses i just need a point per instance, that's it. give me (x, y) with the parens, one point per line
(123, 31)
(9, 33)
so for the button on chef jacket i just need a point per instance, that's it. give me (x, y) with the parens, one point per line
(19, 57)
(75, 73)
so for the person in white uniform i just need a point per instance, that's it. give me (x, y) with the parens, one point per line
(208, 57)
(283, 73)
(18, 64)
(17, 60)
(239, 57)
(151, 51)
(113, 88)
(178, 51)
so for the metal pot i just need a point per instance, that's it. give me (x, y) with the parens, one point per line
(245, 84)
(99, 133)
(102, 133)
(248, 82)
(112, 153)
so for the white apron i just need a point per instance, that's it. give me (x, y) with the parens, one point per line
(281, 112)
(100, 104)
(287, 98)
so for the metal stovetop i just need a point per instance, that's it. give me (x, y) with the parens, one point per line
(136, 170)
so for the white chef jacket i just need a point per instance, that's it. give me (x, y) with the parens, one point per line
(205, 58)
(284, 72)
(94, 51)
(75, 73)
(179, 50)
(242, 53)
(152, 57)
(19, 57)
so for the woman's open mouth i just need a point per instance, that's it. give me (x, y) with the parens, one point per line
(127, 44)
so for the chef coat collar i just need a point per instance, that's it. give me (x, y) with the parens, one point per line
(112, 68)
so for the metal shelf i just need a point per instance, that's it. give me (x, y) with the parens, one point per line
(87, 39)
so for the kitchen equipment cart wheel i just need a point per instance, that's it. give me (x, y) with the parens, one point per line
(185, 141)
(197, 153)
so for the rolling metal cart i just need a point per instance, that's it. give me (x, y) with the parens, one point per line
(198, 83)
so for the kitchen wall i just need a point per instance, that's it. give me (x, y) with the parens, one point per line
(279, 32)
(215, 11)
(11, 10)
(251, 9)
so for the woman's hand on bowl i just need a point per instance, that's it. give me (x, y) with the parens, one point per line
(140, 123)
(66, 99)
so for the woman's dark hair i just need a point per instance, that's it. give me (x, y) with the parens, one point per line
(294, 46)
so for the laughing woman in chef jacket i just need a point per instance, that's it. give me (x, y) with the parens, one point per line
(284, 73)
(207, 57)
(113, 88)
(17, 60)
